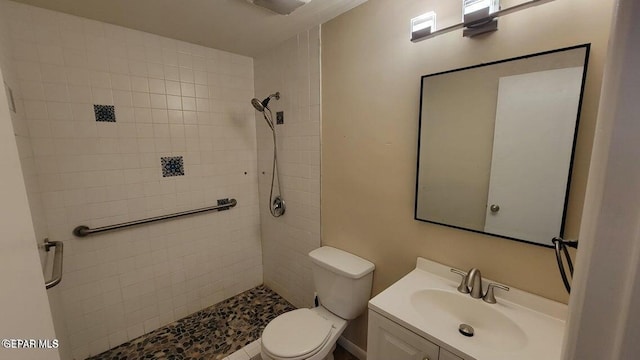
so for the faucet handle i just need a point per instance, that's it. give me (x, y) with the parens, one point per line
(463, 288)
(489, 297)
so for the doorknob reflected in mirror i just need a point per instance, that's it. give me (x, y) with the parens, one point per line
(494, 208)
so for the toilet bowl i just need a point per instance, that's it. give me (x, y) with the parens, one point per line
(343, 285)
(309, 334)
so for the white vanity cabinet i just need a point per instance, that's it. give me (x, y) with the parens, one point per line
(445, 355)
(418, 317)
(387, 340)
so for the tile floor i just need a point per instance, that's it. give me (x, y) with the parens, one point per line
(229, 330)
(252, 352)
(211, 334)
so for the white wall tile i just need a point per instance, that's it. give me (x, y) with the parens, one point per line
(157, 86)
(35, 110)
(142, 115)
(101, 96)
(174, 102)
(120, 285)
(55, 92)
(120, 82)
(79, 94)
(138, 68)
(140, 84)
(156, 71)
(100, 79)
(173, 88)
(158, 101)
(188, 104)
(141, 100)
(171, 73)
(286, 241)
(118, 65)
(122, 98)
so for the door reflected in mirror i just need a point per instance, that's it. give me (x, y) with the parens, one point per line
(496, 145)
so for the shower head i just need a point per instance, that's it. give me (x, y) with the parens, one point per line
(261, 105)
(257, 104)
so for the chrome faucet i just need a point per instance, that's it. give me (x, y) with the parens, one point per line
(474, 283)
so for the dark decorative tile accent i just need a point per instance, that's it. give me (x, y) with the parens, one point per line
(172, 166)
(105, 113)
(212, 334)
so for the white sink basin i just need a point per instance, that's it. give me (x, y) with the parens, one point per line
(520, 326)
(492, 328)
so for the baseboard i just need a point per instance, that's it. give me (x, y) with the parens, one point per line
(354, 349)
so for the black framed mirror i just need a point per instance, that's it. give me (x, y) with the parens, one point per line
(496, 144)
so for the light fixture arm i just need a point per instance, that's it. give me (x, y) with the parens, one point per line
(489, 18)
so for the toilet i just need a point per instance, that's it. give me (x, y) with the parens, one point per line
(343, 285)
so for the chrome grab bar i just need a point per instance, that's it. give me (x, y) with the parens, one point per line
(56, 273)
(223, 204)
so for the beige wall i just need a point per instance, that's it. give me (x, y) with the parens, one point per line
(371, 86)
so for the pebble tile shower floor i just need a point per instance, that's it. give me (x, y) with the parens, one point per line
(210, 334)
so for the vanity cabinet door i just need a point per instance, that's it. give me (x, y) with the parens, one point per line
(445, 355)
(387, 340)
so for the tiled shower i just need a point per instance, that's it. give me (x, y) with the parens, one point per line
(114, 125)
(292, 68)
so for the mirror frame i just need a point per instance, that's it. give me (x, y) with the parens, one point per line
(587, 48)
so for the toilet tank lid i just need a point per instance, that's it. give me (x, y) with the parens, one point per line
(341, 262)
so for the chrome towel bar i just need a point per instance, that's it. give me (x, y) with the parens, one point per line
(223, 204)
(561, 247)
(56, 273)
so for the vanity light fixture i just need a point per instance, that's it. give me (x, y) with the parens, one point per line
(423, 25)
(474, 10)
(478, 17)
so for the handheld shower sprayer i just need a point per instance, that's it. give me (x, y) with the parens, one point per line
(261, 105)
(276, 205)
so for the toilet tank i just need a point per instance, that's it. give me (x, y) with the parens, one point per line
(342, 281)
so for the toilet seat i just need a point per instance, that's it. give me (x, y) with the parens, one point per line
(296, 335)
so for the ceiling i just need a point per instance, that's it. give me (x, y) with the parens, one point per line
(231, 25)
